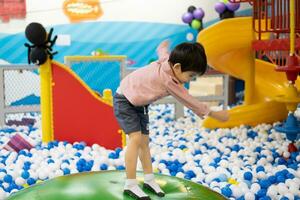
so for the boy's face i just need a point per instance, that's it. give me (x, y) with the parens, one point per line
(183, 77)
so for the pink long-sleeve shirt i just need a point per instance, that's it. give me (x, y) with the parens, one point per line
(156, 80)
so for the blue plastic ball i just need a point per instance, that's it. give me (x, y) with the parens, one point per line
(284, 198)
(112, 155)
(8, 178)
(290, 176)
(281, 161)
(272, 179)
(262, 193)
(280, 179)
(226, 191)
(265, 198)
(121, 167)
(285, 172)
(260, 169)
(265, 183)
(50, 161)
(25, 174)
(104, 167)
(31, 181)
(248, 176)
(66, 171)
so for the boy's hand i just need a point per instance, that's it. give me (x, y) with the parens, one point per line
(222, 115)
(164, 44)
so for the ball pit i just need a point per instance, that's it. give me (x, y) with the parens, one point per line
(240, 163)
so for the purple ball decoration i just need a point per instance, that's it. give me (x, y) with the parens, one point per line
(233, 6)
(187, 17)
(198, 13)
(220, 7)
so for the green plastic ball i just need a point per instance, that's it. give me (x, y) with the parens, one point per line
(196, 24)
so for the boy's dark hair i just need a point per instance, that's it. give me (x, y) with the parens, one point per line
(191, 56)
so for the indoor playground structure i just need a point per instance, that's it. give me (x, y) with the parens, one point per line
(256, 50)
(66, 96)
(269, 95)
(63, 95)
(79, 147)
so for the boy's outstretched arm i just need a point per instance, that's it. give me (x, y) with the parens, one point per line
(199, 108)
(163, 50)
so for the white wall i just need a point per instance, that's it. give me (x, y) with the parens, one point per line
(49, 12)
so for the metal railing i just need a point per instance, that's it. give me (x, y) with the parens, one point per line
(6, 107)
(11, 109)
(241, 1)
(273, 16)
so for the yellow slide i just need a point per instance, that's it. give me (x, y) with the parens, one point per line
(228, 47)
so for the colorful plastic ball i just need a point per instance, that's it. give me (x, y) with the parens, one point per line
(280, 179)
(285, 172)
(8, 178)
(232, 6)
(103, 167)
(226, 191)
(248, 176)
(20, 181)
(260, 169)
(198, 13)
(272, 179)
(264, 183)
(191, 9)
(196, 24)
(25, 174)
(220, 7)
(120, 167)
(265, 198)
(187, 17)
(31, 181)
(290, 176)
(249, 196)
(66, 171)
(261, 193)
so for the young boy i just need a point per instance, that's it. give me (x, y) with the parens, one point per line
(146, 85)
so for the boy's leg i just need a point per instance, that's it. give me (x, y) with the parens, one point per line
(131, 154)
(145, 157)
(131, 187)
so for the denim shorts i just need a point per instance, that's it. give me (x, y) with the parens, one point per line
(131, 118)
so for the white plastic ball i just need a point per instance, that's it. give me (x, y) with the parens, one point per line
(282, 188)
(249, 196)
(42, 175)
(180, 175)
(3, 194)
(20, 181)
(272, 191)
(255, 187)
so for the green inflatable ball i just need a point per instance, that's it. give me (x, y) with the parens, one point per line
(196, 24)
(108, 185)
(224, 1)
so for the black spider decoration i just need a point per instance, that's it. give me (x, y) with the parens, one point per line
(42, 43)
